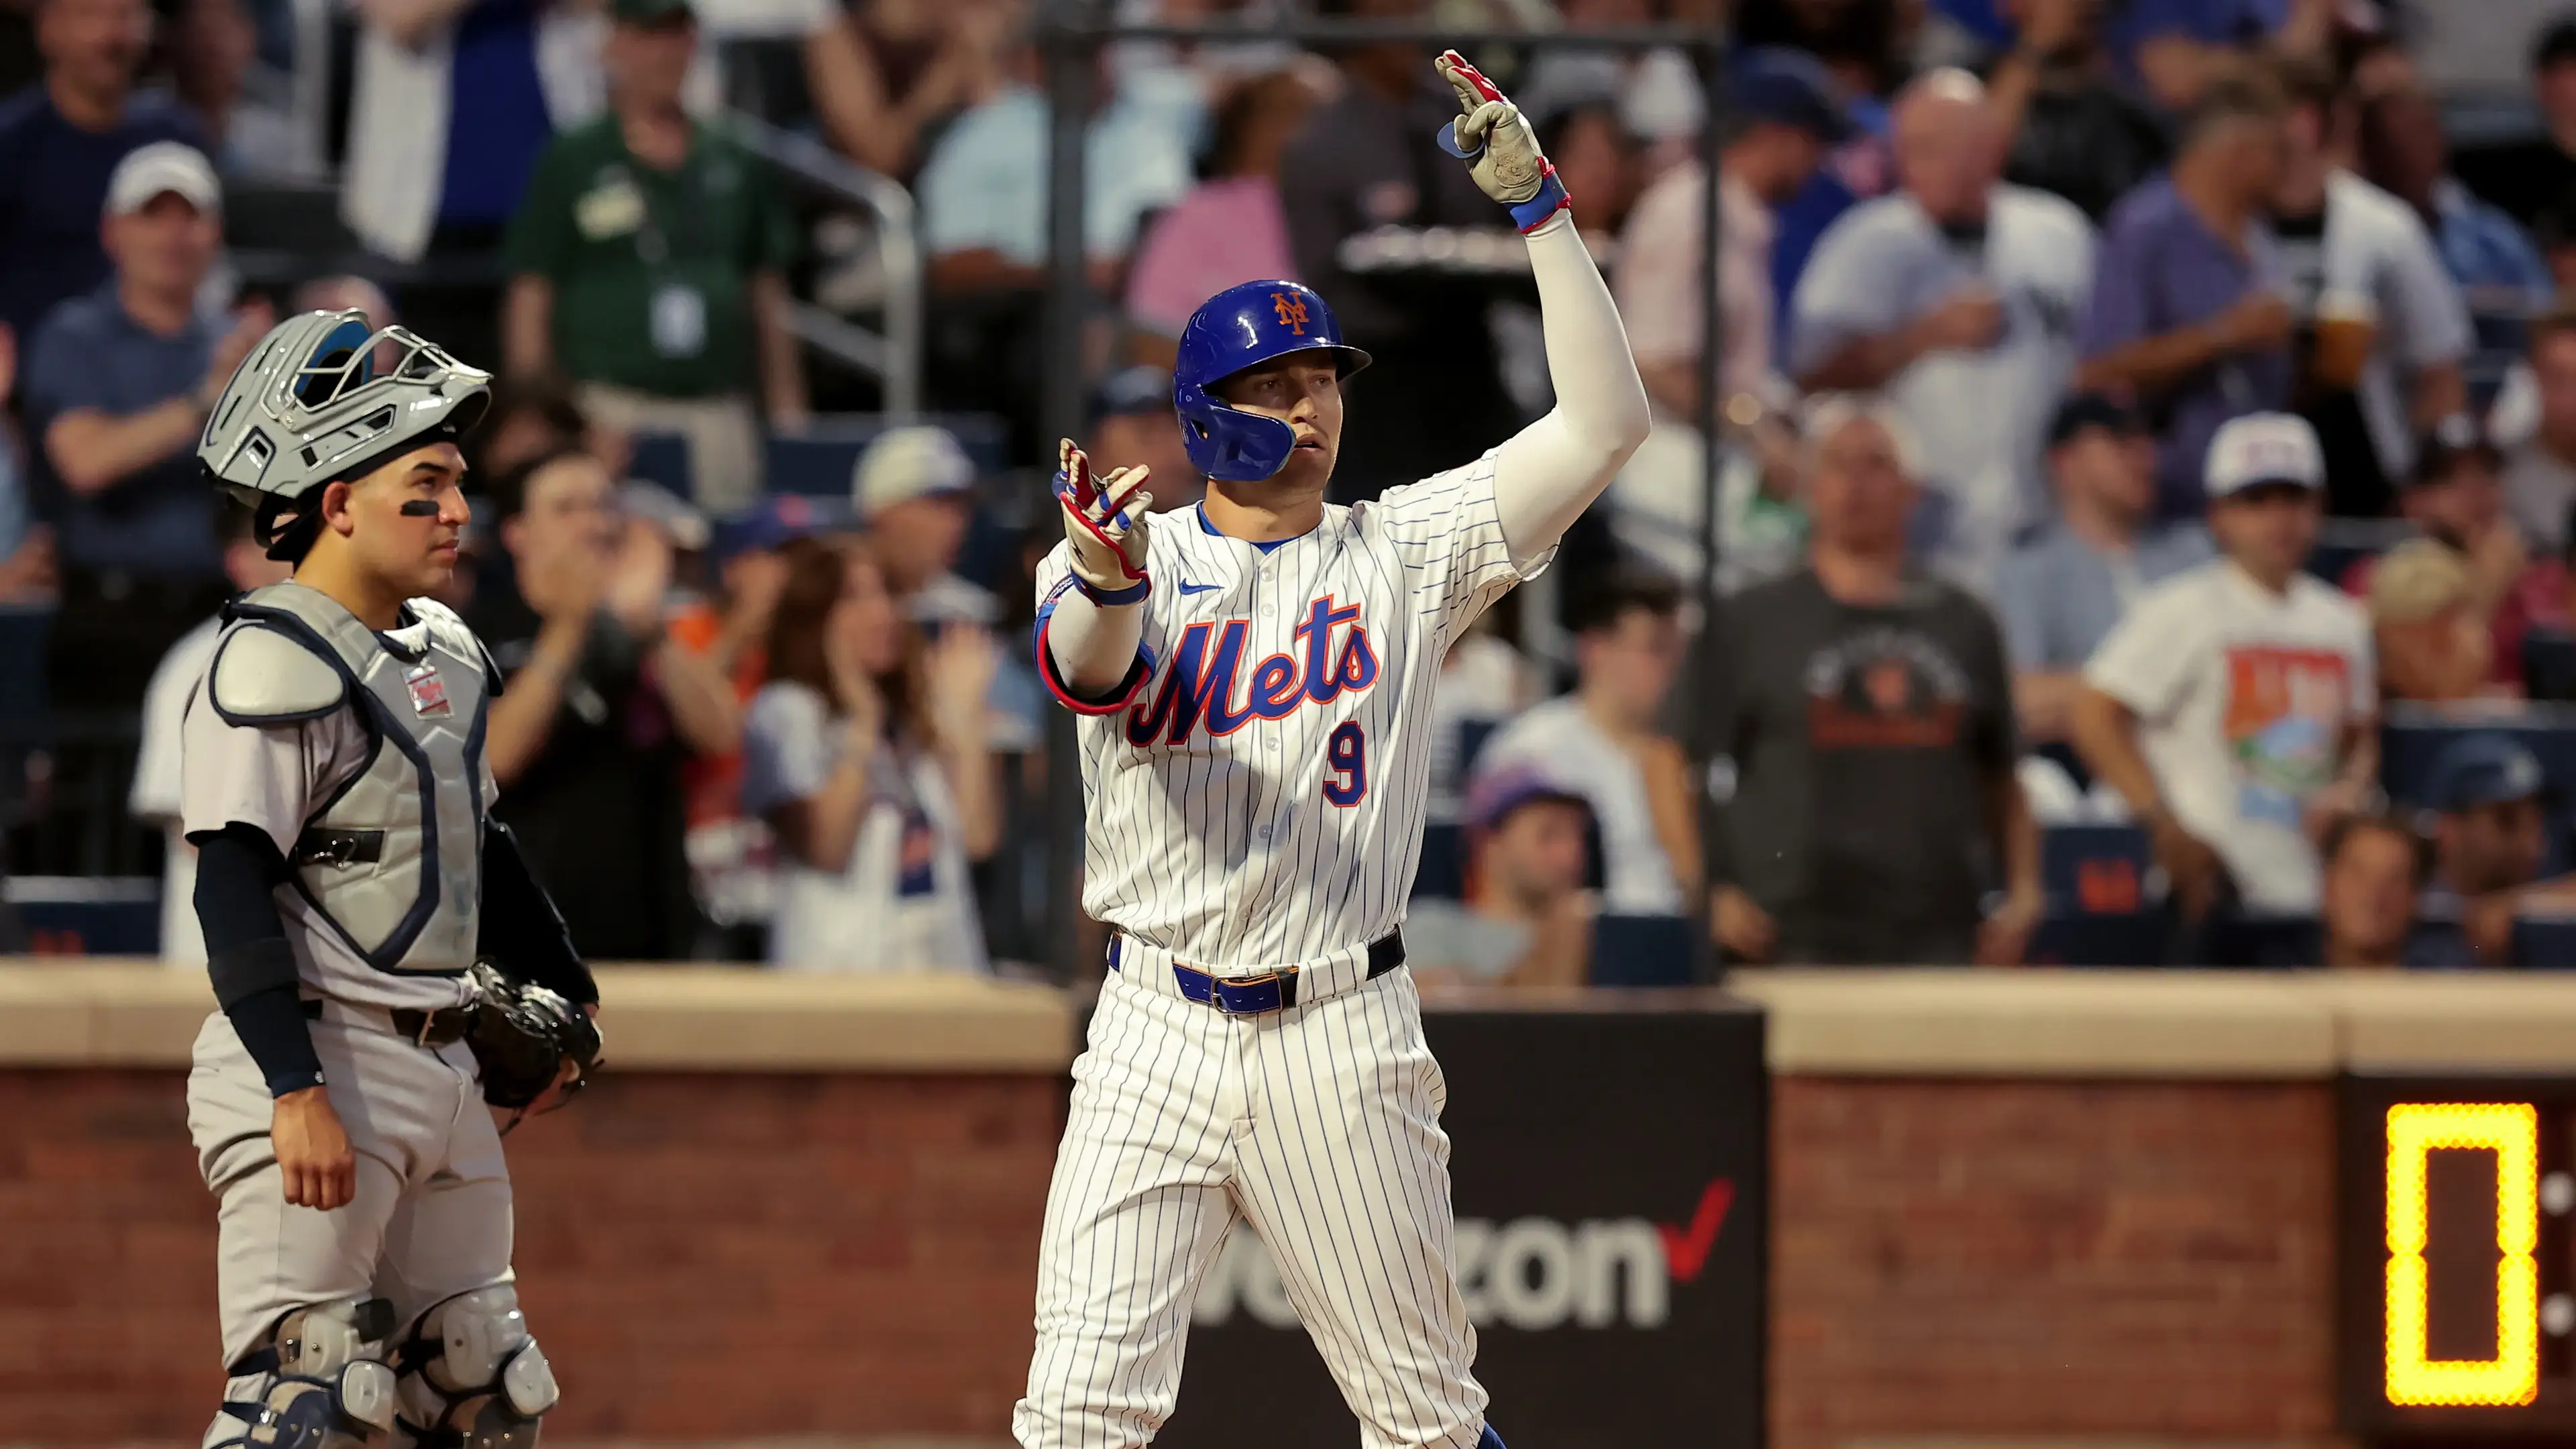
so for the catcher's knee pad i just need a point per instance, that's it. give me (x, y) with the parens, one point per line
(319, 1382)
(472, 1378)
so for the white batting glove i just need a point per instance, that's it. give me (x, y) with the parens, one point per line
(1495, 141)
(1105, 521)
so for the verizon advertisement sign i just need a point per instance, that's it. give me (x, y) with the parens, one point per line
(1609, 1170)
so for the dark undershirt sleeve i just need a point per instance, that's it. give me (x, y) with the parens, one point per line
(520, 927)
(238, 869)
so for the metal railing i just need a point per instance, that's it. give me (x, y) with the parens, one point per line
(893, 354)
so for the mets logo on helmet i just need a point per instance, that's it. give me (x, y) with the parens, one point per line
(1291, 309)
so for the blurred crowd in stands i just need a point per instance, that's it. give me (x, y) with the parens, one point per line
(2145, 430)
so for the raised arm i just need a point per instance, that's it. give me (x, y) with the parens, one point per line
(1550, 471)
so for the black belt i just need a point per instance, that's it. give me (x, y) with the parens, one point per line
(1270, 991)
(317, 846)
(422, 1028)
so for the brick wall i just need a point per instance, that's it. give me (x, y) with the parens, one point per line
(752, 1255)
(700, 1255)
(2050, 1258)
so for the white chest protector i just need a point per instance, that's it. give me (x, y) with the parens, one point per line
(392, 859)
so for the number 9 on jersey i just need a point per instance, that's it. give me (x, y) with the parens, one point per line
(1346, 765)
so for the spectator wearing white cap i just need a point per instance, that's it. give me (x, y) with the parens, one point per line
(2233, 705)
(59, 144)
(914, 489)
(117, 387)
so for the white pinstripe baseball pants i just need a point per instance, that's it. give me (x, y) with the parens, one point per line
(1319, 1126)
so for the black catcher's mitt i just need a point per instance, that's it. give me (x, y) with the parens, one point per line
(521, 1034)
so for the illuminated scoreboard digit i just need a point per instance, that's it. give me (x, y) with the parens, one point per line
(2456, 1235)
(2510, 1133)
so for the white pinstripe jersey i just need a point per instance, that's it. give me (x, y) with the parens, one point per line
(1258, 798)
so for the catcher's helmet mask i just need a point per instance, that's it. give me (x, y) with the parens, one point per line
(1232, 333)
(308, 408)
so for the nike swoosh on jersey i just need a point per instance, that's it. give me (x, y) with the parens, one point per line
(1189, 588)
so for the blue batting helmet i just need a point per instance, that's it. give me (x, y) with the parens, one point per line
(1242, 327)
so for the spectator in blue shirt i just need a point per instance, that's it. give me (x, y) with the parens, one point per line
(984, 188)
(118, 384)
(58, 143)
(2499, 270)
(1860, 169)
(983, 194)
(2063, 589)
(2189, 316)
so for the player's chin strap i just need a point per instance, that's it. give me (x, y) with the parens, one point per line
(471, 1376)
(320, 1382)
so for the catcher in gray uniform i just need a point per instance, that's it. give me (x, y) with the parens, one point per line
(384, 961)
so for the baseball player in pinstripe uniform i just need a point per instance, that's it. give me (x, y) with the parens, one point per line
(1254, 678)
(349, 878)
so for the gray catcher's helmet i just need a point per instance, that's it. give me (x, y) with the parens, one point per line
(308, 407)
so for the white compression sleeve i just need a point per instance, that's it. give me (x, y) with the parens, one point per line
(1093, 646)
(1550, 471)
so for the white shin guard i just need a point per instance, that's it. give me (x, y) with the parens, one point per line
(320, 1382)
(472, 1378)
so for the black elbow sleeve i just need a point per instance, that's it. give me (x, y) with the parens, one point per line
(238, 872)
(520, 927)
(247, 957)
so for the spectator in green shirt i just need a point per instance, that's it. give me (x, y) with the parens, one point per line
(648, 267)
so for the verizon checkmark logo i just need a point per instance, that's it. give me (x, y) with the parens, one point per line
(1530, 1273)
(1686, 1249)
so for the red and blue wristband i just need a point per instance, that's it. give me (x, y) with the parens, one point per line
(1133, 593)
